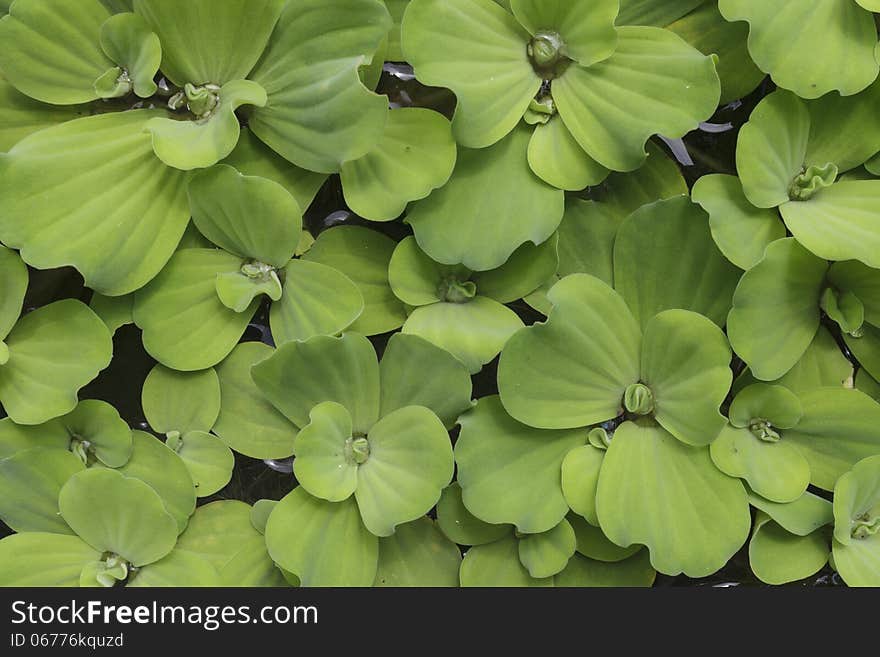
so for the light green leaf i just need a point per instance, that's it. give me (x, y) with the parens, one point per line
(248, 423)
(803, 516)
(363, 256)
(202, 41)
(29, 485)
(773, 403)
(839, 428)
(652, 12)
(741, 231)
(99, 504)
(14, 282)
(474, 331)
(221, 533)
(129, 42)
(316, 300)
(868, 384)
(856, 519)
(686, 365)
(344, 370)
(592, 542)
(866, 349)
(556, 158)
(659, 492)
(181, 401)
(844, 129)
(416, 373)
(777, 557)
(21, 115)
(491, 205)
(497, 564)
(584, 572)
(260, 514)
(156, 464)
(53, 352)
(863, 281)
(195, 144)
(326, 464)
(15, 438)
(100, 432)
(654, 83)
(460, 525)
(478, 50)
(175, 570)
(415, 155)
(587, 30)
(51, 49)
(185, 324)
(839, 223)
(248, 216)
(580, 478)
(417, 554)
(417, 280)
(208, 460)
(775, 470)
(775, 312)
(526, 269)
(511, 473)
(586, 239)
(546, 554)
(319, 114)
(810, 48)
(410, 463)
(41, 559)
(115, 312)
(661, 251)
(96, 198)
(324, 543)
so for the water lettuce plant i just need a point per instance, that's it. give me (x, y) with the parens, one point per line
(437, 293)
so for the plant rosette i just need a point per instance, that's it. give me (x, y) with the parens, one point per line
(120, 176)
(102, 547)
(791, 157)
(463, 311)
(199, 306)
(856, 547)
(369, 439)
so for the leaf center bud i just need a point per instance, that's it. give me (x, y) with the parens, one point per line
(452, 290)
(546, 52)
(763, 430)
(639, 399)
(812, 180)
(357, 450)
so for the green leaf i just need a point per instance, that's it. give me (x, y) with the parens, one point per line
(868, 384)
(652, 12)
(497, 564)
(526, 269)
(202, 41)
(129, 42)
(775, 312)
(156, 464)
(866, 348)
(319, 114)
(41, 559)
(810, 48)
(856, 517)
(208, 460)
(580, 478)
(101, 432)
(248, 216)
(99, 504)
(316, 300)
(221, 532)
(21, 115)
(686, 365)
(661, 250)
(583, 572)
(410, 463)
(591, 337)
(363, 256)
(474, 331)
(839, 222)
(248, 423)
(324, 543)
(415, 155)
(839, 428)
(460, 525)
(96, 198)
(414, 372)
(181, 401)
(344, 370)
(260, 514)
(741, 231)
(863, 281)
(325, 463)
(656, 491)
(491, 205)
(186, 145)
(417, 280)
(843, 129)
(654, 83)
(592, 542)
(586, 239)
(777, 557)
(587, 30)
(185, 324)
(546, 554)
(53, 352)
(556, 158)
(115, 312)
(511, 473)
(177, 569)
(417, 554)
(478, 50)
(772, 147)
(51, 49)
(773, 403)
(802, 517)
(14, 282)
(30, 481)
(775, 470)
(15, 438)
